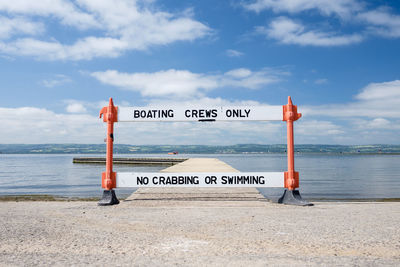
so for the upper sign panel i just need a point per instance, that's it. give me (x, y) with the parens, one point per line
(240, 113)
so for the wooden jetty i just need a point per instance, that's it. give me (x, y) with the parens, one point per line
(132, 161)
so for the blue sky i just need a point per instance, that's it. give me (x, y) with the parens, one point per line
(339, 60)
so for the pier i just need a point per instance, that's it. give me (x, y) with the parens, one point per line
(197, 194)
(131, 161)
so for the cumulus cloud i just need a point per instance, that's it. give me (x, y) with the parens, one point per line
(121, 26)
(57, 80)
(321, 81)
(52, 127)
(233, 53)
(67, 12)
(342, 8)
(287, 31)
(48, 126)
(379, 21)
(76, 108)
(19, 26)
(376, 100)
(318, 128)
(386, 91)
(184, 83)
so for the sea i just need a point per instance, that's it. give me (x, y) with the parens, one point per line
(322, 176)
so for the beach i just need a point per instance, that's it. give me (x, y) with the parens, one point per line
(190, 226)
(197, 232)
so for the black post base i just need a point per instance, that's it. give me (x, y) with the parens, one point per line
(293, 197)
(109, 198)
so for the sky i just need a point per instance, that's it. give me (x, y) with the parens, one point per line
(60, 62)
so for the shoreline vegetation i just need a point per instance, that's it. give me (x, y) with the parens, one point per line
(53, 198)
(197, 149)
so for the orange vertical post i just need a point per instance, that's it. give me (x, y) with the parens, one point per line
(108, 181)
(290, 115)
(110, 115)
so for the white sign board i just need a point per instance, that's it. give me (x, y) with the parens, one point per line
(201, 179)
(250, 113)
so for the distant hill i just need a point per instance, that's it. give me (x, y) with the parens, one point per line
(192, 149)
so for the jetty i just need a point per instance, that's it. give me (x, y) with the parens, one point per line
(132, 161)
(198, 194)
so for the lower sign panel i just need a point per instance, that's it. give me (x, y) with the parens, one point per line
(201, 179)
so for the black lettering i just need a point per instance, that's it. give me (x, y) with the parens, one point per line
(247, 112)
(142, 180)
(201, 113)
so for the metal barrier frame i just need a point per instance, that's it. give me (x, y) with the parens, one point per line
(290, 196)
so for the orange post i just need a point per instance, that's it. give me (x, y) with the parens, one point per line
(290, 115)
(110, 115)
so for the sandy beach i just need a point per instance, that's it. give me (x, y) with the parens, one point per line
(199, 227)
(216, 232)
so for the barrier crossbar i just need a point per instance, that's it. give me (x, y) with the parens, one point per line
(289, 179)
(199, 179)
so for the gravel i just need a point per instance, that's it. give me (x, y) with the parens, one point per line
(248, 232)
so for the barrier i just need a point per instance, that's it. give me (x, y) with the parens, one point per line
(288, 180)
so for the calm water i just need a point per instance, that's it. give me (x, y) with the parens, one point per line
(321, 176)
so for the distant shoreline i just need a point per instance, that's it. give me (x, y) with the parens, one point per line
(196, 149)
(234, 153)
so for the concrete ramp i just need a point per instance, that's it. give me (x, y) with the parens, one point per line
(198, 194)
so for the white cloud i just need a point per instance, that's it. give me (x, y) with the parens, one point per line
(239, 73)
(386, 91)
(342, 8)
(184, 84)
(233, 53)
(68, 13)
(18, 26)
(381, 22)
(321, 81)
(162, 83)
(380, 123)
(52, 127)
(317, 128)
(122, 26)
(57, 80)
(76, 108)
(49, 127)
(356, 14)
(376, 100)
(287, 31)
